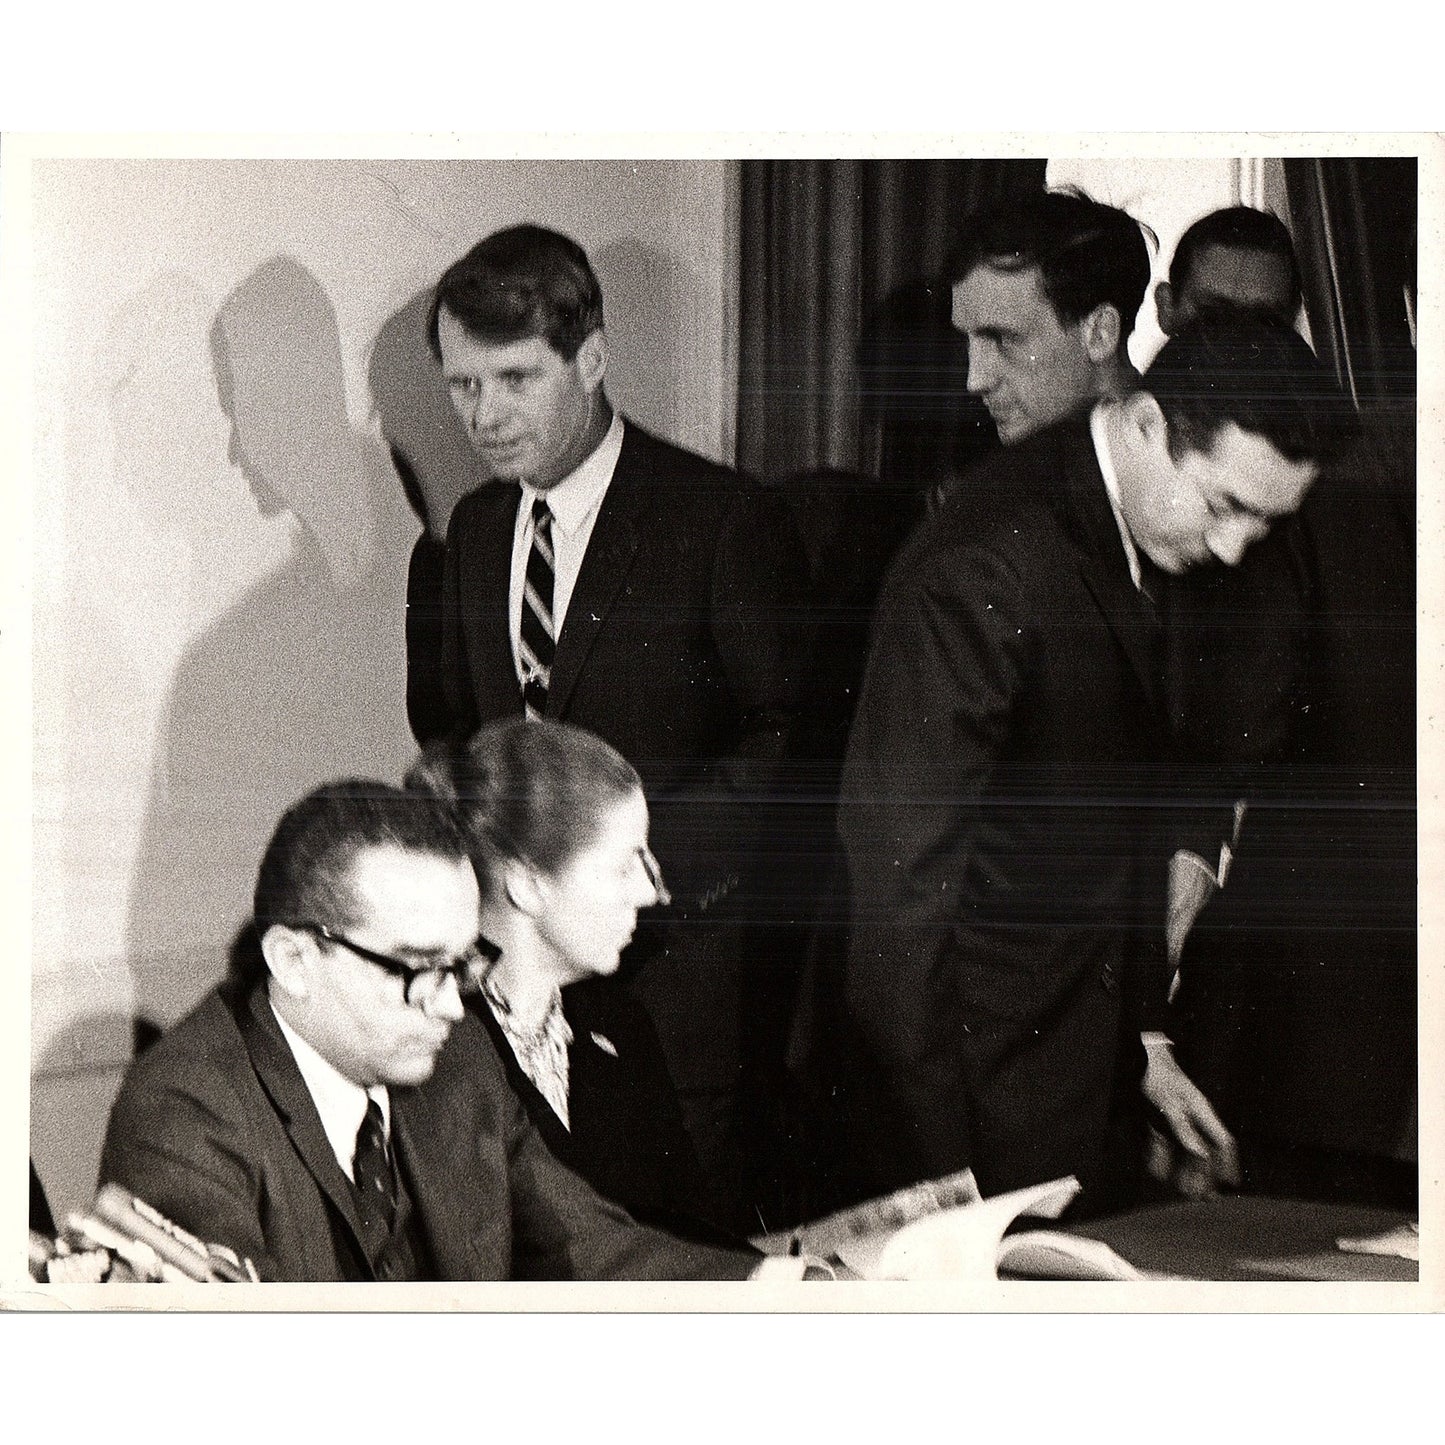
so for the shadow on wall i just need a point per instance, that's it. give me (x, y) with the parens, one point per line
(417, 419)
(303, 679)
(652, 308)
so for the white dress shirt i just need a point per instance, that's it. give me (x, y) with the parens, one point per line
(575, 502)
(1111, 485)
(341, 1103)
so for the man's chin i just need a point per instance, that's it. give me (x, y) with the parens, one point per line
(416, 1069)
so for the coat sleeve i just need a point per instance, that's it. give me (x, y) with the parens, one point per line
(949, 652)
(455, 705)
(563, 1229)
(177, 1139)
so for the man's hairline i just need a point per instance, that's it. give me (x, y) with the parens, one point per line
(1023, 267)
(345, 877)
(472, 335)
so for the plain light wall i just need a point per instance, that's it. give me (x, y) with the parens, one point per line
(222, 351)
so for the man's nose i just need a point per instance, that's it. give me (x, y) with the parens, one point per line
(445, 1001)
(1230, 540)
(982, 371)
(486, 408)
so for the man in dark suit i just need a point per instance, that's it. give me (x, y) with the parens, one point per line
(1007, 768)
(332, 1113)
(621, 584)
(1293, 683)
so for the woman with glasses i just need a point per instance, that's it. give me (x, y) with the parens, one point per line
(557, 827)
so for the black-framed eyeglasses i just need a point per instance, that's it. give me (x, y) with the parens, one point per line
(421, 983)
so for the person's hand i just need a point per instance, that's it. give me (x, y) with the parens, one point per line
(1201, 1157)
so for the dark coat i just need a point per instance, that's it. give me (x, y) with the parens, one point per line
(214, 1126)
(1297, 1006)
(679, 647)
(625, 1134)
(999, 817)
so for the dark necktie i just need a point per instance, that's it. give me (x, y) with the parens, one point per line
(539, 634)
(371, 1171)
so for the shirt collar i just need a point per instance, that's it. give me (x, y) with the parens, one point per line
(1098, 428)
(579, 492)
(340, 1102)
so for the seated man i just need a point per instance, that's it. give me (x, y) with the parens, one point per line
(332, 1113)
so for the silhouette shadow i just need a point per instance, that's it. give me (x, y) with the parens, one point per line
(653, 308)
(303, 678)
(418, 423)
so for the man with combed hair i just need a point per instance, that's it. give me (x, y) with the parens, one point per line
(1047, 288)
(1008, 762)
(1293, 680)
(1239, 258)
(616, 582)
(332, 1113)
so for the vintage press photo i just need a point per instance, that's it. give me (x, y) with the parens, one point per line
(230, 437)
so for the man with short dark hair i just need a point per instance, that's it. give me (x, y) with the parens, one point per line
(614, 581)
(1292, 681)
(1047, 288)
(1007, 771)
(1238, 257)
(332, 1113)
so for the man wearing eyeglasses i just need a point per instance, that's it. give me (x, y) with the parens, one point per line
(332, 1113)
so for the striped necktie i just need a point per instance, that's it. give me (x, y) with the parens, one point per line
(539, 637)
(372, 1172)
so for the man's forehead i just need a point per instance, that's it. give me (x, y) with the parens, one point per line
(460, 347)
(423, 897)
(1240, 276)
(991, 297)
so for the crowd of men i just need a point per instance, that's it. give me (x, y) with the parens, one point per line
(1105, 681)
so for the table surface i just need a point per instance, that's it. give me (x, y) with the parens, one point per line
(1246, 1237)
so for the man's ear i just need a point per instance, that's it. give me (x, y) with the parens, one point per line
(1165, 307)
(592, 358)
(524, 889)
(1100, 331)
(288, 953)
(1144, 419)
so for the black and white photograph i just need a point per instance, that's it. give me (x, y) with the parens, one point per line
(795, 720)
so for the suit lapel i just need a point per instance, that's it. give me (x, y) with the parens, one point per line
(430, 1154)
(276, 1069)
(494, 669)
(1089, 520)
(605, 566)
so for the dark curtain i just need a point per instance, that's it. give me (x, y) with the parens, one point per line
(847, 359)
(852, 384)
(852, 395)
(1354, 223)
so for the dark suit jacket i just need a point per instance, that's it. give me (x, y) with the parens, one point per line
(214, 1126)
(1297, 1006)
(679, 646)
(625, 1134)
(998, 827)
